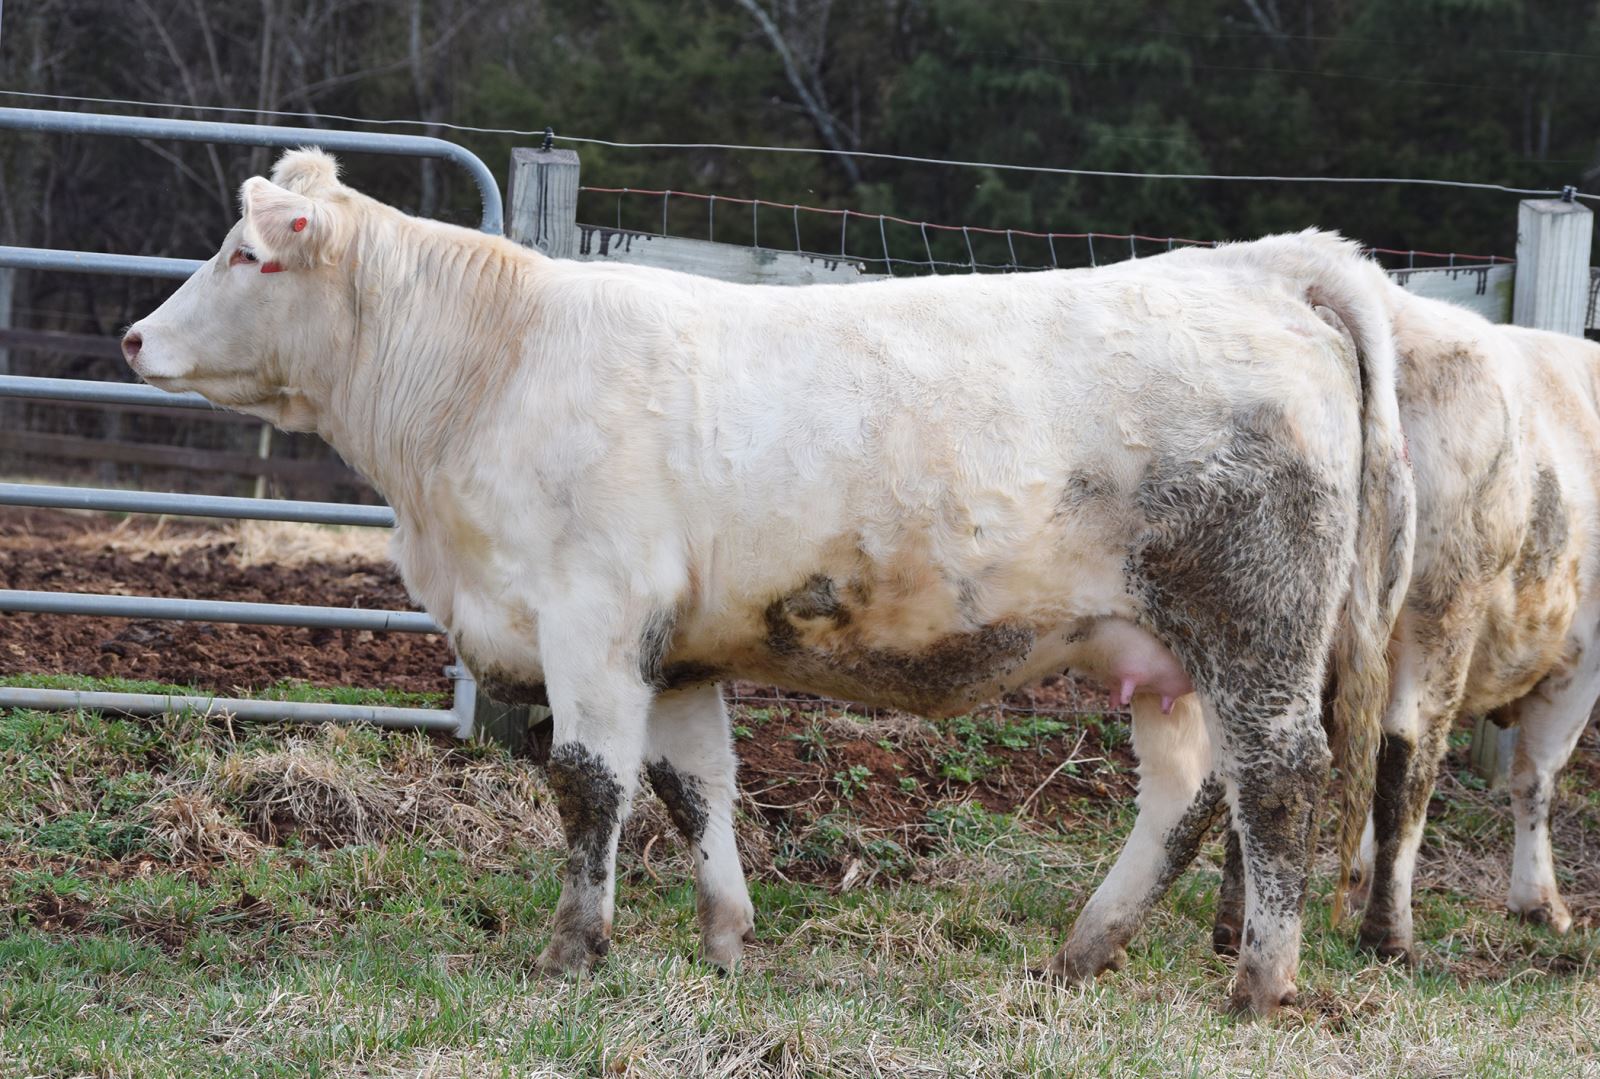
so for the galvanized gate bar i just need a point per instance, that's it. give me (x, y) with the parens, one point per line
(216, 610)
(363, 142)
(256, 509)
(45, 258)
(150, 704)
(460, 720)
(99, 393)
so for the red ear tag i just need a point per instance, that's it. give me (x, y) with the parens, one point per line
(299, 224)
(272, 267)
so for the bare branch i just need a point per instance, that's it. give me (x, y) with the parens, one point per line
(820, 115)
(1270, 21)
(224, 200)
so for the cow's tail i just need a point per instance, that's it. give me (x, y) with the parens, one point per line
(1338, 277)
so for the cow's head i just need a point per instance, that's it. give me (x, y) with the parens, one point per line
(262, 325)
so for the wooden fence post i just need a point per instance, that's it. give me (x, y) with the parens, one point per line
(1551, 292)
(542, 201)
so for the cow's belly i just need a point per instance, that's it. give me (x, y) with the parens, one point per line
(1526, 634)
(951, 672)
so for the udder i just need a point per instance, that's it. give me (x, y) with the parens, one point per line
(1128, 661)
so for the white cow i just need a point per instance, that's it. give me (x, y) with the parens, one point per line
(618, 485)
(1502, 616)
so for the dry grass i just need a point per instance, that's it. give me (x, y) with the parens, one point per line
(249, 543)
(286, 543)
(349, 902)
(322, 789)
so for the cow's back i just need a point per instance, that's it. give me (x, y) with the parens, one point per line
(1503, 432)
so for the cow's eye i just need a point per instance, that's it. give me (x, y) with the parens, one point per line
(242, 254)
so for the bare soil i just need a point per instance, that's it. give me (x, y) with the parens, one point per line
(61, 552)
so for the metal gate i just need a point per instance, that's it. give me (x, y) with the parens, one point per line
(459, 719)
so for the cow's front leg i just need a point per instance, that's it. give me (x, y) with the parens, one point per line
(1179, 798)
(600, 708)
(691, 766)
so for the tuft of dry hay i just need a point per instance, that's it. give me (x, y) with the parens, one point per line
(131, 537)
(288, 543)
(196, 828)
(246, 543)
(315, 788)
(669, 856)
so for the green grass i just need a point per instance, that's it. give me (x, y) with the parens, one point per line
(366, 938)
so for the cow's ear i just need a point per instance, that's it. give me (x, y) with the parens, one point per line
(286, 228)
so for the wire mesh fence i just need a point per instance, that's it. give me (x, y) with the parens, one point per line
(886, 244)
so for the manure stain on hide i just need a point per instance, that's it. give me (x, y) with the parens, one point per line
(1237, 551)
(923, 680)
(589, 799)
(1547, 530)
(681, 794)
(1235, 571)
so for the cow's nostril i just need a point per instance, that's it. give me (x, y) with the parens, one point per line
(131, 343)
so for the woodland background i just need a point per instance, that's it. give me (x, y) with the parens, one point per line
(1489, 90)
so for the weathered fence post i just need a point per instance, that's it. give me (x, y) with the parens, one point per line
(1552, 285)
(542, 201)
(1551, 292)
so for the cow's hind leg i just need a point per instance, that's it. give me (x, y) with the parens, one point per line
(1241, 572)
(1426, 687)
(1178, 800)
(1227, 929)
(691, 766)
(1550, 721)
(1275, 771)
(596, 750)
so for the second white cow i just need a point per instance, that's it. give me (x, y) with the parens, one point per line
(617, 486)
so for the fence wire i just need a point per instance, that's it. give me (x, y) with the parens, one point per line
(886, 244)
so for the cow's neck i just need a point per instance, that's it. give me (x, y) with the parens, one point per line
(441, 322)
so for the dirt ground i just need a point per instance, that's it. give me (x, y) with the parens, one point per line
(69, 552)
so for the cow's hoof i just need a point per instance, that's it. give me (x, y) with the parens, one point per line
(1552, 914)
(1390, 947)
(1074, 965)
(725, 949)
(1258, 997)
(1225, 939)
(725, 931)
(572, 953)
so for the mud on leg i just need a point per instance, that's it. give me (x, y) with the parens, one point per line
(596, 750)
(1178, 800)
(691, 766)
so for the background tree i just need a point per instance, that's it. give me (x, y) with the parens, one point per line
(1489, 90)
